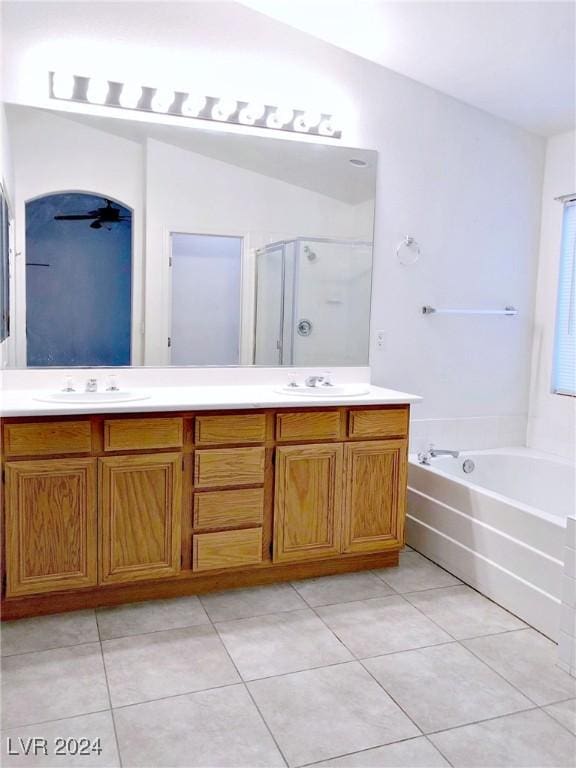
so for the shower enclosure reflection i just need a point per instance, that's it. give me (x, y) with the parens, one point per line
(313, 302)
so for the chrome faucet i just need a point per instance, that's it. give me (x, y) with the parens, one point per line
(425, 456)
(313, 381)
(92, 385)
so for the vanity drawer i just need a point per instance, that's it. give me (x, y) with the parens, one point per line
(388, 422)
(225, 509)
(248, 428)
(228, 467)
(227, 549)
(315, 425)
(48, 438)
(142, 434)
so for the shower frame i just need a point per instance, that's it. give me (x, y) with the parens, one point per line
(281, 244)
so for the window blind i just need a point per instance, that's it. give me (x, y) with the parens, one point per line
(564, 364)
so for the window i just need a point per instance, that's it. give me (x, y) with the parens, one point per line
(564, 365)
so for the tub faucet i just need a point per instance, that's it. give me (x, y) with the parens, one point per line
(92, 385)
(313, 381)
(425, 456)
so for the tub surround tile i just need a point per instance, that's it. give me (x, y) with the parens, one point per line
(524, 740)
(280, 643)
(54, 684)
(381, 625)
(463, 612)
(445, 686)
(45, 632)
(527, 660)
(256, 601)
(211, 728)
(565, 713)
(324, 713)
(145, 667)
(97, 728)
(415, 573)
(342, 588)
(150, 616)
(413, 753)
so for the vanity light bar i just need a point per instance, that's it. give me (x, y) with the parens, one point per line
(90, 90)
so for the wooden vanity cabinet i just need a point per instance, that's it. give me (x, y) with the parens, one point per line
(101, 510)
(140, 513)
(50, 525)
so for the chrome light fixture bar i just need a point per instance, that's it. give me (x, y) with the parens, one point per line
(109, 93)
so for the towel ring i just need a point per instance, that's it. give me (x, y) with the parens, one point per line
(408, 251)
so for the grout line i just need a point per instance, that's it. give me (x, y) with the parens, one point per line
(110, 700)
(176, 695)
(249, 692)
(566, 728)
(53, 720)
(54, 648)
(481, 721)
(154, 632)
(364, 751)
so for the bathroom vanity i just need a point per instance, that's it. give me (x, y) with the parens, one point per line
(102, 509)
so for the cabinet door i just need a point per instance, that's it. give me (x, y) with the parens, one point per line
(140, 516)
(308, 502)
(375, 496)
(51, 529)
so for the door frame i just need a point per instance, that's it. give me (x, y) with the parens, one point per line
(18, 345)
(247, 286)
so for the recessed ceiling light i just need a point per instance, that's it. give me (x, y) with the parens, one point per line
(358, 162)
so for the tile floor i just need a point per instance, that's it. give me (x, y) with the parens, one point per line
(396, 667)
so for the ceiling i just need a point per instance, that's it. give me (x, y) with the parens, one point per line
(515, 60)
(319, 168)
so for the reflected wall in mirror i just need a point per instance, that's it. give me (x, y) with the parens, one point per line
(147, 243)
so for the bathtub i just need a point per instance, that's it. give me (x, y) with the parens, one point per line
(500, 528)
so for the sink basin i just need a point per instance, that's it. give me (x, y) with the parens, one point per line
(346, 390)
(91, 397)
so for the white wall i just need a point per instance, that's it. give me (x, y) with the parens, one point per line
(465, 184)
(552, 418)
(6, 177)
(53, 154)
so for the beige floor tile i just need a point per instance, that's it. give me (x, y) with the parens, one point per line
(526, 740)
(342, 588)
(211, 729)
(146, 667)
(256, 601)
(565, 713)
(529, 661)
(415, 573)
(86, 733)
(323, 713)
(445, 686)
(44, 632)
(381, 625)
(464, 613)
(140, 618)
(48, 685)
(413, 753)
(280, 643)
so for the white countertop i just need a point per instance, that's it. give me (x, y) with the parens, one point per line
(193, 398)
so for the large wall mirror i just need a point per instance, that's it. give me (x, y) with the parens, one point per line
(142, 243)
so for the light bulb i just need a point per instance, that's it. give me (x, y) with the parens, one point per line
(193, 105)
(280, 117)
(130, 95)
(223, 109)
(251, 113)
(311, 119)
(328, 127)
(63, 85)
(97, 91)
(162, 100)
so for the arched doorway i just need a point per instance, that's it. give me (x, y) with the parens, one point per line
(78, 281)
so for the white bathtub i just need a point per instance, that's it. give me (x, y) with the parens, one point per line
(500, 528)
